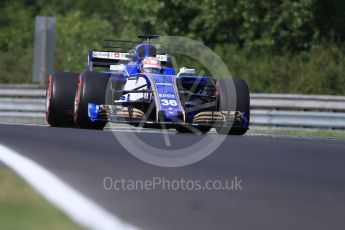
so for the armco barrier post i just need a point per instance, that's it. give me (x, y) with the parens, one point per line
(44, 48)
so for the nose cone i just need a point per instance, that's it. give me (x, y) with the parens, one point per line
(168, 104)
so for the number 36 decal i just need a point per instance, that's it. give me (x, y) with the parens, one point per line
(168, 102)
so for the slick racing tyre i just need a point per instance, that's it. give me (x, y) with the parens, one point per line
(60, 99)
(225, 103)
(91, 89)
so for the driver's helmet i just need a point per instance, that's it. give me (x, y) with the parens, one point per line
(151, 65)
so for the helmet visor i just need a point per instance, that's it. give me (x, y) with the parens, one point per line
(151, 70)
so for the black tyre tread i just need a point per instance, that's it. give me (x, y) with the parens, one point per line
(242, 101)
(91, 89)
(60, 111)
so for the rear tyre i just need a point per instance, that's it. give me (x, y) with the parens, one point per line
(91, 89)
(60, 99)
(227, 103)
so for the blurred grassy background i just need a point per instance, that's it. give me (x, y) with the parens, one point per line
(285, 46)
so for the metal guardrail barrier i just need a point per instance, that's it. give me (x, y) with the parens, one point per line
(26, 104)
(298, 119)
(298, 102)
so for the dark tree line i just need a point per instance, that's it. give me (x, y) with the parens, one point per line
(278, 46)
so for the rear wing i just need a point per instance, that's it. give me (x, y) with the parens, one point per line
(105, 59)
(123, 51)
(108, 58)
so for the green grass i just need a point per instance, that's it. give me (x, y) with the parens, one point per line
(300, 132)
(22, 208)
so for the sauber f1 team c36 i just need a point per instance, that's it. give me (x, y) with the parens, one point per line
(138, 85)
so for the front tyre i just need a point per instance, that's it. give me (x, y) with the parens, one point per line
(91, 89)
(227, 102)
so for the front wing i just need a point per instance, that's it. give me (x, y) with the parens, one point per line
(130, 115)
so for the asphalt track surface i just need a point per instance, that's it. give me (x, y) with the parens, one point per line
(287, 183)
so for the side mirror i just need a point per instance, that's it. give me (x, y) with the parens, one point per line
(185, 70)
(120, 67)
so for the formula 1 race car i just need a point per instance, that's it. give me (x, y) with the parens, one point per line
(140, 87)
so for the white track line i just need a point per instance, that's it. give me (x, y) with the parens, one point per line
(75, 205)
